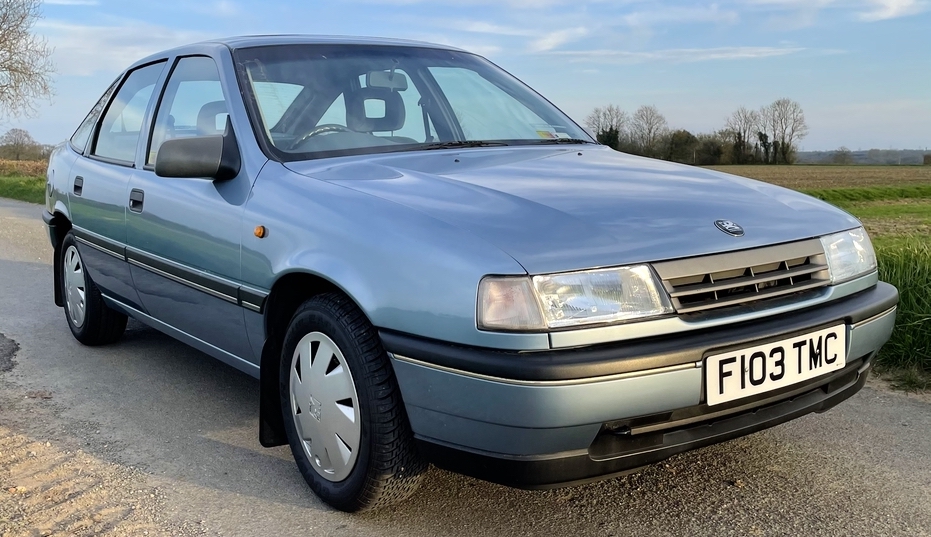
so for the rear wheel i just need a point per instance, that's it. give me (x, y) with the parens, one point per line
(91, 321)
(342, 408)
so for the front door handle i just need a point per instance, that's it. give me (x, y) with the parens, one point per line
(136, 198)
(78, 185)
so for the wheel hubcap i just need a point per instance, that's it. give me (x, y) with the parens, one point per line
(325, 406)
(75, 286)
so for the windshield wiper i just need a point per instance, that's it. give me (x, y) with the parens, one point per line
(549, 141)
(460, 143)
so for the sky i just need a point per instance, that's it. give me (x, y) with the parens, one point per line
(861, 69)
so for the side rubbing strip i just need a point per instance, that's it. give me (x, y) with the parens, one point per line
(247, 297)
(103, 249)
(213, 285)
(99, 242)
(182, 281)
(252, 299)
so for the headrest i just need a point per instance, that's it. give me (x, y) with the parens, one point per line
(357, 120)
(207, 117)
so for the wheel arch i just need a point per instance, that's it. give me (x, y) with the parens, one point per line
(287, 294)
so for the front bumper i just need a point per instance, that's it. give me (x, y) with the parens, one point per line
(550, 418)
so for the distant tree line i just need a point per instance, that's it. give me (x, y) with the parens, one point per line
(769, 135)
(843, 155)
(18, 144)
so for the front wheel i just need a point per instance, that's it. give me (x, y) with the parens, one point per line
(91, 321)
(342, 408)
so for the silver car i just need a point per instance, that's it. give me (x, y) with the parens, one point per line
(424, 261)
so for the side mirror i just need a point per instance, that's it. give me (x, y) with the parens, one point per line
(214, 157)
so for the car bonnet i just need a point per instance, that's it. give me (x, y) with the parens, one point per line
(557, 209)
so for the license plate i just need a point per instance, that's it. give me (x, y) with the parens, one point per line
(754, 370)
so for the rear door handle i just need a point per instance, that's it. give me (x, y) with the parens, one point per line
(78, 185)
(136, 198)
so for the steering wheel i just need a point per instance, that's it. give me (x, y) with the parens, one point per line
(320, 129)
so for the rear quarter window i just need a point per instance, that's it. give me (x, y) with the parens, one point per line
(83, 133)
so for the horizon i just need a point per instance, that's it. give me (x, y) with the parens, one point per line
(858, 68)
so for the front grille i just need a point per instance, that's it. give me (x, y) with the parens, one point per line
(735, 278)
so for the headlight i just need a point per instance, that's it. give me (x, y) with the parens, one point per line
(849, 254)
(571, 299)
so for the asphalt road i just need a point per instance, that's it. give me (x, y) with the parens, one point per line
(171, 420)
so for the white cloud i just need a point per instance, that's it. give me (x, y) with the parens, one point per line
(793, 3)
(481, 27)
(482, 48)
(540, 39)
(219, 8)
(891, 9)
(89, 49)
(681, 15)
(864, 10)
(551, 40)
(518, 4)
(682, 55)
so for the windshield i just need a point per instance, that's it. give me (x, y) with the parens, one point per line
(312, 101)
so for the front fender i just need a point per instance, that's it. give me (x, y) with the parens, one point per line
(407, 271)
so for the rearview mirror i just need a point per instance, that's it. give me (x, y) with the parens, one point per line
(386, 79)
(214, 157)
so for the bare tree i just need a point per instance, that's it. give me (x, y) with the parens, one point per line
(842, 156)
(609, 125)
(647, 128)
(743, 126)
(25, 67)
(18, 144)
(787, 121)
(604, 119)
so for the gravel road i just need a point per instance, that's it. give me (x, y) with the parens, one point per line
(149, 437)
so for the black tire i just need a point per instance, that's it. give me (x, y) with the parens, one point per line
(387, 467)
(100, 325)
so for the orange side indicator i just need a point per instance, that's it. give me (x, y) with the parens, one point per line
(260, 232)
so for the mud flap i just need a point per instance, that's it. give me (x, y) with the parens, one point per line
(271, 422)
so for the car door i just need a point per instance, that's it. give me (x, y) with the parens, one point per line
(98, 183)
(183, 235)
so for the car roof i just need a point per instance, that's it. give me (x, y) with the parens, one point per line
(290, 39)
(294, 39)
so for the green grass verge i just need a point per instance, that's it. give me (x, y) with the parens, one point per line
(919, 209)
(845, 197)
(892, 244)
(906, 264)
(31, 189)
